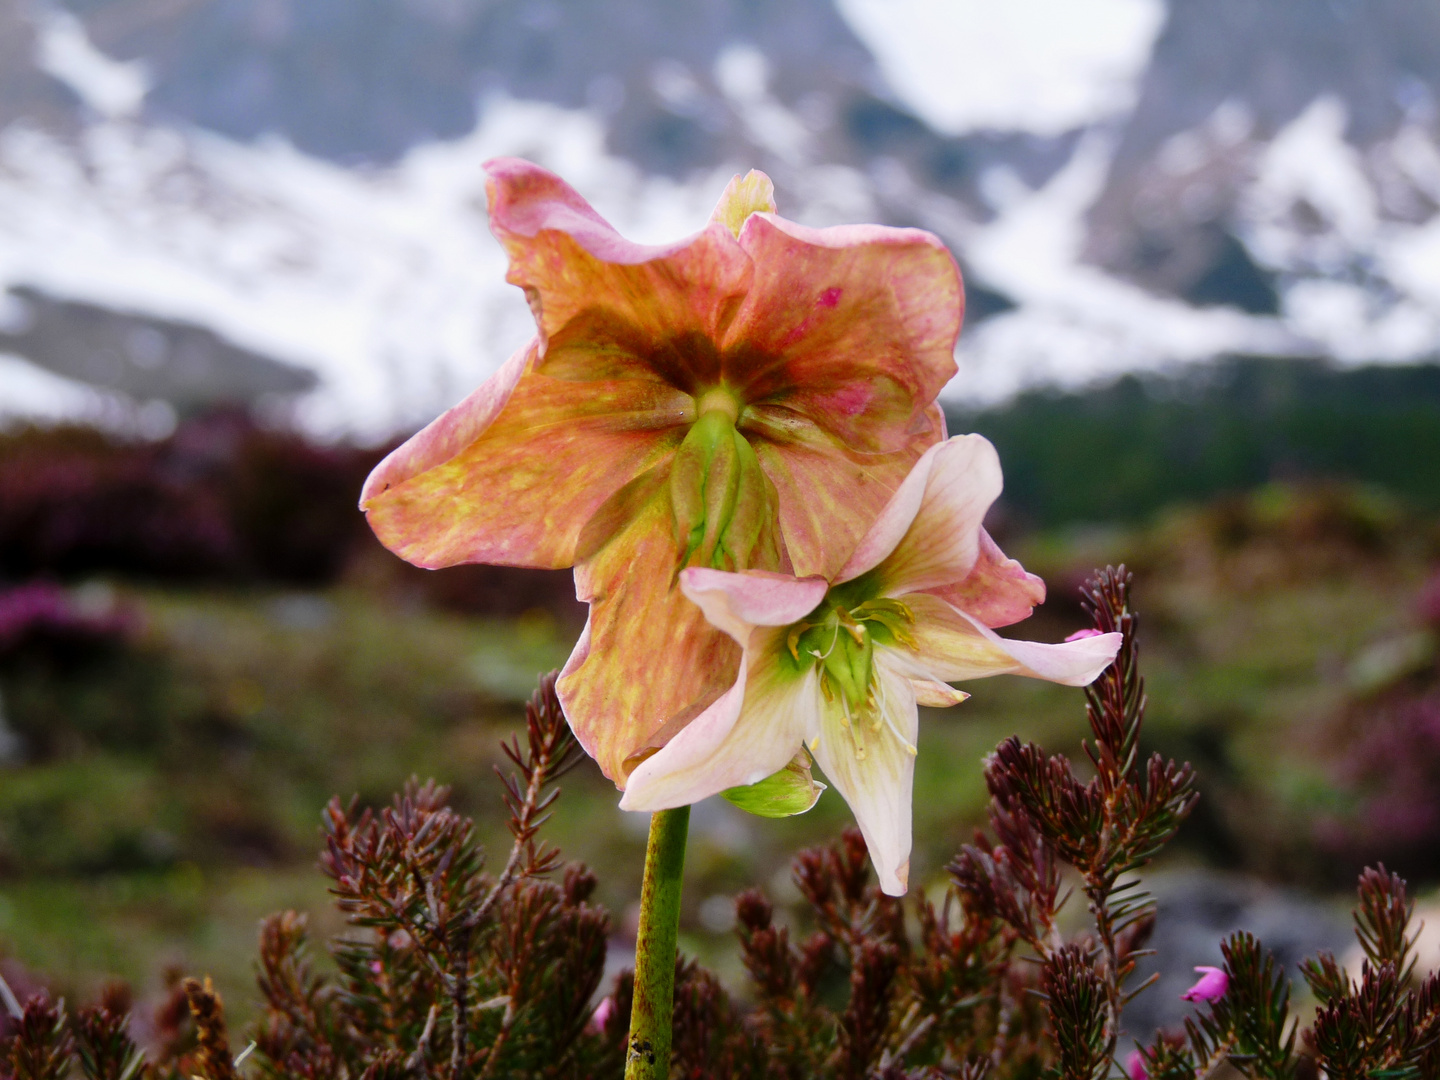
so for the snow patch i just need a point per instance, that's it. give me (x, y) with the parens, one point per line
(388, 283)
(1074, 323)
(113, 88)
(1044, 66)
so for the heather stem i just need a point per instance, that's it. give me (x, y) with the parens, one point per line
(650, 1017)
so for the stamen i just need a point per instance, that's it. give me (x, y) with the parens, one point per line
(854, 730)
(833, 642)
(909, 746)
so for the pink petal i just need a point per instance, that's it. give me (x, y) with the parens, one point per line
(1135, 1066)
(879, 786)
(671, 302)
(928, 535)
(753, 730)
(1081, 635)
(853, 327)
(997, 591)
(514, 474)
(1212, 985)
(955, 646)
(736, 603)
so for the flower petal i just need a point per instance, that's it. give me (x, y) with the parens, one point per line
(648, 661)
(853, 327)
(752, 731)
(752, 193)
(513, 474)
(954, 646)
(934, 694)
(929, 533)
(879, 785)
(673, 300)
(829, 495)
(736, 603)
(998, 591)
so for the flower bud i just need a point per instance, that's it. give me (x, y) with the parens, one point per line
(721, 501)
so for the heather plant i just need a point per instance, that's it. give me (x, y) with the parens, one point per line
(450, 972)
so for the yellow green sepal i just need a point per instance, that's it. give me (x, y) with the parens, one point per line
(720, 498)
(786, 793)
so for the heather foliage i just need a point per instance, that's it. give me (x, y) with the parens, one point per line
(450, 972)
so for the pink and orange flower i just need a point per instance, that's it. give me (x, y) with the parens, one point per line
(749, 397)
(840, 662)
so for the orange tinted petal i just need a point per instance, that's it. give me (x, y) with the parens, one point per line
(829, 496)
(673, 299)
(854, 326)
(514, 474)
(649, 661)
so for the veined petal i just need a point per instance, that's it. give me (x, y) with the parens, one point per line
(573, 265)
(753, 730)
(878, 785)
(513, 474)
(954, 646)
(829, 495)
(934, 694)
(737, 603)
(998, 591)
(852, 326)
(648, 661)
(929, 532)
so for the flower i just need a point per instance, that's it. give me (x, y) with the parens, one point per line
(600, 1018)
(747, 397)
(1135, 1066)
(1211, 987)
(841, 663)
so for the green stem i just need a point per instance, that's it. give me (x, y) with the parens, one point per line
(650, 1016)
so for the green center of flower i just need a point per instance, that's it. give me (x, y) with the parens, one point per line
(722, 504)
(839, 639)
(718, 399)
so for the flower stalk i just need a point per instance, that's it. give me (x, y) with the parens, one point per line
(648, 1057)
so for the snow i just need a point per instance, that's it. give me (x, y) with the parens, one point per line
(1074, 323)
(111, 87)
(1365, 287)
(1044, 66)
(387, 284)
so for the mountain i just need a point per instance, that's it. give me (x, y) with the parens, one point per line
(301, 179)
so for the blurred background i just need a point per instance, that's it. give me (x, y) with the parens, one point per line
(243, 250)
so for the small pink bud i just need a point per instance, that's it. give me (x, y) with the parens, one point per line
(601, 1016)
(1080, 634)
(1211, 987)
(1135, 1066)
(376, 966)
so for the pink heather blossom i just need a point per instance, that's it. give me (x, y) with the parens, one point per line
(1081, 635)
(601, 1016)
(1135, 1066)
(1211, 987)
